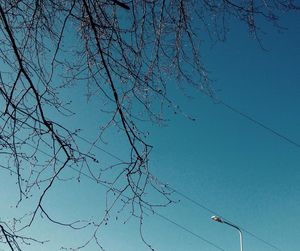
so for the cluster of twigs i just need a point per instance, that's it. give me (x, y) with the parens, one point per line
(125, 53)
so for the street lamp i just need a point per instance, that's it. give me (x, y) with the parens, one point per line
(220, 220)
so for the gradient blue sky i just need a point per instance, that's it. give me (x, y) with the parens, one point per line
(222, 160)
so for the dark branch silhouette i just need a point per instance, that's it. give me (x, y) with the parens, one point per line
(126, 54)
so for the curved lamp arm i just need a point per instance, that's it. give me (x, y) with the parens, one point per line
(220, 220)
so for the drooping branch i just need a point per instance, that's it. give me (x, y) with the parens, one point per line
(126, 54)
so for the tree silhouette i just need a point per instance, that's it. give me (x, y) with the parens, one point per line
(126, 53)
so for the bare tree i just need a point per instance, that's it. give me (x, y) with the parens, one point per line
(126, 54)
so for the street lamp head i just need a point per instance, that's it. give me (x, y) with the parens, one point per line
(217, 218)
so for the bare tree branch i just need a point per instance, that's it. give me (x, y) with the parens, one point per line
(127, 61)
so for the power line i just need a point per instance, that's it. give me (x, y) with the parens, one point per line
(156, 213)
(240, 113)
(99, 148)
(188, 231)
(123, 195)
(200, 205)
(255, 121)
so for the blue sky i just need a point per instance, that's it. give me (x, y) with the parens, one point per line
(232, 165)
(222, 160)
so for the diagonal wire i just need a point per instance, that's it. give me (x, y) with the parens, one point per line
(198, 204)
(156, 213)
(123, 195)
(255, 121)
(240, 113)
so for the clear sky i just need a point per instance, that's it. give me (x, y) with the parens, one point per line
(225, 162)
